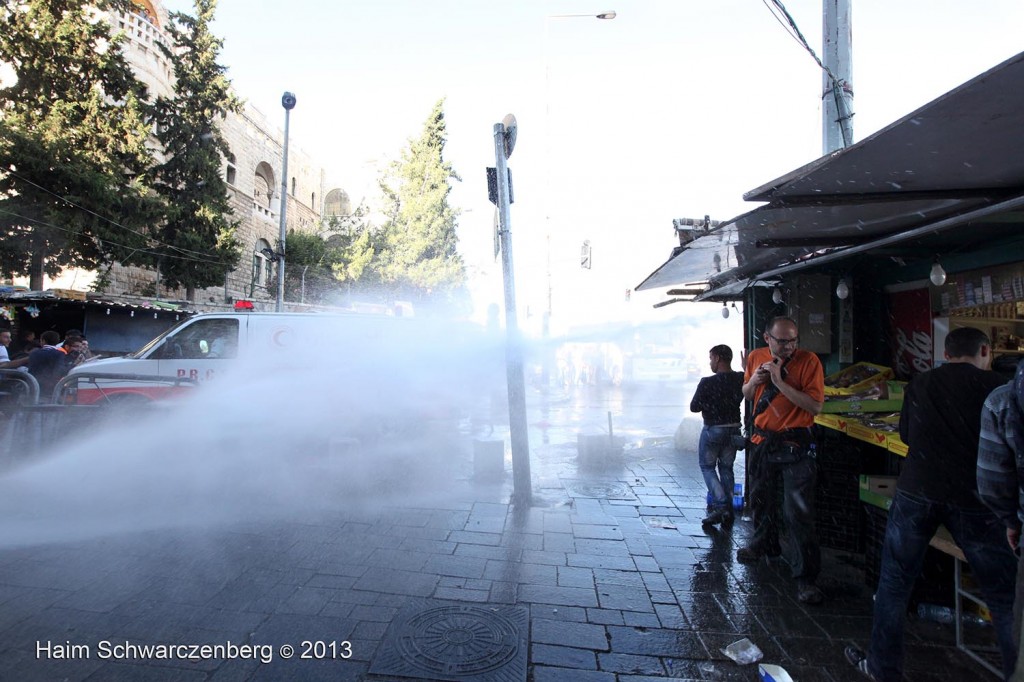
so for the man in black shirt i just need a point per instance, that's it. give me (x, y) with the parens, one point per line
(941, 425)
(718, 398)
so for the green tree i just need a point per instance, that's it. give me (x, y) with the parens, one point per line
(73, 152)
(198, 247)
(417, 258)
(329, 267)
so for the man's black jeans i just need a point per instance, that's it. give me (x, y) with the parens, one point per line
(799, 479)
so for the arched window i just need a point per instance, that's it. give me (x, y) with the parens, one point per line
(263, 258)
(263, 185)
(232, 170)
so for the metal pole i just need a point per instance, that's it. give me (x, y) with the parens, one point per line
(837, 95)
(522, 485)
(288, 102)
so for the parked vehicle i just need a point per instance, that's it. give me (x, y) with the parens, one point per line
(200, 349)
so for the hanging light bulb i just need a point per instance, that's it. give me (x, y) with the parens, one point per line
(937, 275)
(842, 290)
(777, 296)
(725, 310)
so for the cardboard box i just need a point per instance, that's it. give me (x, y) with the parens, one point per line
(877, 490)
(878, 374)
(863, 432)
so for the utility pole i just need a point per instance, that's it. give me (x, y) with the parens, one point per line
(837, 77)
(288, 102)
(504, 141)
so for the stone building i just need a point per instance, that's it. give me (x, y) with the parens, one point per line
(252, 171)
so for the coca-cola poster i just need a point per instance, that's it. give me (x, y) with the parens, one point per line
(910, 315)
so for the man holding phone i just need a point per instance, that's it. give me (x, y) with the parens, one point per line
(787, 387)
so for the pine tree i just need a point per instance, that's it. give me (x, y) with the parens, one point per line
(198, 244)
(73, 135)
(418, 257)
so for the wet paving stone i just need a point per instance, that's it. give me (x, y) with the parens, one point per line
(631, 664)
(657, 642)
(551, 674)
(568, 596)
(562, 633)
(563, 656)
(579, 568)
(623, 597)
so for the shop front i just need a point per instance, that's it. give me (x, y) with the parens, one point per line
(878, 251)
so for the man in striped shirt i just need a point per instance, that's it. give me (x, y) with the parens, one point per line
(1001, 476)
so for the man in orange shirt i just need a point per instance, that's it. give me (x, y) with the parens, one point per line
(787, 387)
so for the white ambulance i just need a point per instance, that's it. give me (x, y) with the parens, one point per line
(200, 348)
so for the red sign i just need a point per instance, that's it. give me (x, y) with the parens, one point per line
(910, 316)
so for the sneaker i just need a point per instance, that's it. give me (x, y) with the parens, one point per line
(809, 593)
(859, 660)
(714, 517)
(750, 555)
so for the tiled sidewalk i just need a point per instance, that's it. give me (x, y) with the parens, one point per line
(609, 578)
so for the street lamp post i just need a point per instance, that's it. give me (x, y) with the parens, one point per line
(288, 102)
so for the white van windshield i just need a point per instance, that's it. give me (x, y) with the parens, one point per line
(194, 339)
(204, 338)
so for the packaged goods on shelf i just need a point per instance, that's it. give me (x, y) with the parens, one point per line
(882, 396)
(856, 379)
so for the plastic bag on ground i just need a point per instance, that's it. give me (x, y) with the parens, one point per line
(743, 652)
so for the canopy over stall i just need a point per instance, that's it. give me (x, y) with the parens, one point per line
(947, 176)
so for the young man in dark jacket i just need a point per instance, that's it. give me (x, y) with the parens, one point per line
(718, 398)
(941, 423)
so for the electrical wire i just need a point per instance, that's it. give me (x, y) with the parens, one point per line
(108, 241)
(794, 31)
(153, 241)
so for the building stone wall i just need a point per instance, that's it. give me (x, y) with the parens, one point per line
(255, 161)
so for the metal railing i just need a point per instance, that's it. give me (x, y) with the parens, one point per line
(31, 385)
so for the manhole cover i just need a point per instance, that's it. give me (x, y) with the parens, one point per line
(455, 642)
(602, 490)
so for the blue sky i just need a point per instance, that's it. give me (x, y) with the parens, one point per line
(673, 109)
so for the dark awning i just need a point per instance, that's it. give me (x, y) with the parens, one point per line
(958, 160)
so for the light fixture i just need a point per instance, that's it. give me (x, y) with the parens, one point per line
(937, 275)
(776, 295)
(842, 290)
(725, 310)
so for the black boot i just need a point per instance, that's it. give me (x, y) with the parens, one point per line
(717, 515)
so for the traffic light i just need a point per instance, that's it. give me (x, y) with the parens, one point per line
(585, 253)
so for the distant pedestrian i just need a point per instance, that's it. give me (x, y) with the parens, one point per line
(1001, 480)
(26, 343)
(48, 365)
(12, 360)
(941, 424)
(718, 399)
